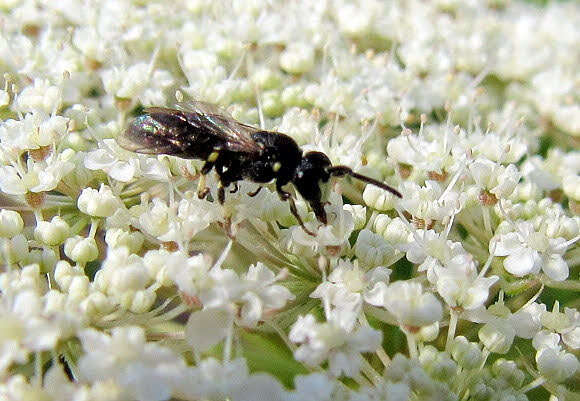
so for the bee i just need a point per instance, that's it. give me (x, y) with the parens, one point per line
(237, 152)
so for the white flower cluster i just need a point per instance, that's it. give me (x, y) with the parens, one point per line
(117, 282)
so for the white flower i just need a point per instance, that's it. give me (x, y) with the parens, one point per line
(372, 250)
(211, 379)
(430, 249)
(315, 386)
(329, 341)
(262, 296)
(429, 203)
(330, 238)
(42, 96)
(123, 165)
(27, 328)
(145, 370)
(207, 327)
(556, 365)
(101, 203)
(494, 178)
(459, 284)
(529, 251)
(41, 176)
(410, 305)
(348, 286)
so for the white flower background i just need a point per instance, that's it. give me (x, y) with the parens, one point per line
(118, 283)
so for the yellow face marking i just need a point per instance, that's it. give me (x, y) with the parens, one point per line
(213, 157)
(277, 166)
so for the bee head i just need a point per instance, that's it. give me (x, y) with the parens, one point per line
(312, 170)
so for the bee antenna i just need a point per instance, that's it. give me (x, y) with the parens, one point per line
(340, 171)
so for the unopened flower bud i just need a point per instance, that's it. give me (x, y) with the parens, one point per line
(45, 258)
(80, 249)
(428, 333)
(52, 233)
(140, 301)
(14, 250)
(438, 364)
(571, 186)
(271, 104)
(101, 203)
(11, 223)
(265, 78)
(467, 354)
(79, 288)
(508, 370)
(378, 198)
(97, 304)
(497, 336)
(297, 58)
(116, 237)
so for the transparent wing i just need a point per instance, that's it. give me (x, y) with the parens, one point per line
(237, 136)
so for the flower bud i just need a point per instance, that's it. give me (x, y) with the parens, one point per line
(297, 58)
(293, 96)
(96, 304)
(571, 186)
(14, 250)
(271, 104)
(266, 78)
(508, 370)
(437, 364)
(54, 302)
(467, 354)
(80, 249)
(11, 223)
(497, 336)
(101, 203)
(52, 233)
(45, 258)
(378, 198)
(64, 273)
(78, 288)
(156, 263)
(116, 237)
(428, 333)
(140, 301)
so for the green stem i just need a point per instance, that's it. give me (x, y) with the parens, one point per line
(412, 344)
(573, 285)
(451, 330)
(533, 384)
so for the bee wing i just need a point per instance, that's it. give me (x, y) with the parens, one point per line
(237, 136)
(147, 134)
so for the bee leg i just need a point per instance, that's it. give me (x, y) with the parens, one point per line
(286, 196)
(221, 193)
(206, 168)
(202, 189)
(235, 188)
(256, 192)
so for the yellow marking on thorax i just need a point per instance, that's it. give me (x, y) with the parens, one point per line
(277, 166)
(213, 157)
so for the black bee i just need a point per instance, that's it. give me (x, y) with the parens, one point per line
(237, 152)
